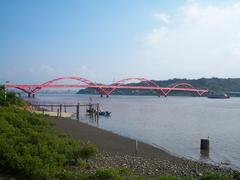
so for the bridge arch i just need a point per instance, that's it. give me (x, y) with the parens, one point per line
(185, 85)
(81, 79)
(147, 82)
(28, 91)
(107, 89)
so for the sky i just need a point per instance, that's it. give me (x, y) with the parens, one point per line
(106, 40)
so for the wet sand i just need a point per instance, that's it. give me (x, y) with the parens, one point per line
(107, 141)
(118, 151)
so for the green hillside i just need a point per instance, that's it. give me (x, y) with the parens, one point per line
(228, 85)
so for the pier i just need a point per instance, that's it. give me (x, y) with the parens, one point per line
(60, 110)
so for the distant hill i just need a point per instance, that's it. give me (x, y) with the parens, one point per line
(228, 85)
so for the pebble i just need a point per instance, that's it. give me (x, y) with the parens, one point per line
(157, 167)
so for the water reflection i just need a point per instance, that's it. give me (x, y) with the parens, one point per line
(204, 154)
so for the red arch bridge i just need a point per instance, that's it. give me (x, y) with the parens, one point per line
(32, 89)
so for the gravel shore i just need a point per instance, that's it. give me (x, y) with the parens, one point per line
(117, 151)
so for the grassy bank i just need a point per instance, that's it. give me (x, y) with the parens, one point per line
(30, 147)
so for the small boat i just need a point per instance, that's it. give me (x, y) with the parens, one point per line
(100, 113)
(218, 95)
(90, 111)
(104, 113)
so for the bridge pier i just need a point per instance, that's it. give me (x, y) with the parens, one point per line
(107, 95)
(31, 95)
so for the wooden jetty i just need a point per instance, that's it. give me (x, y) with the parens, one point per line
(60, 110)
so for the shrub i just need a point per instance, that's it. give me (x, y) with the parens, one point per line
(10, 98)
(81, 164)
(236, 175)
(214, 176)
(29, 147)
(108, 174)
(168, 178)
(87, 151)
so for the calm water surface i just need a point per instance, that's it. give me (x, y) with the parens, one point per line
(175, 124)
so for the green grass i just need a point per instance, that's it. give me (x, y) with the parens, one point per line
(29, 147)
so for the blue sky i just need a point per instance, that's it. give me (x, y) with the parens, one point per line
(110, 40)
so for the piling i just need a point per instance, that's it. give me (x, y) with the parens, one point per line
(91, 110)
(204, 154)
(204, 145)
(136, 147)
(60, 114)
(51, 108)
(65, 108)
(77, 111)
(97, 111)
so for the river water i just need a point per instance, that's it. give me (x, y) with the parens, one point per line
(175, 124)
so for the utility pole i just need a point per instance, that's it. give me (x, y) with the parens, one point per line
(6, 90)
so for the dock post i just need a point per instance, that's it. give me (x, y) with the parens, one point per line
(77, 111)
(204, 145)
(51, 108)
(65, 108)
(136, 147)
(91, 110)
(97, 111)
(60, 110)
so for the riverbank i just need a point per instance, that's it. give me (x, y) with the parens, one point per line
(117, 151)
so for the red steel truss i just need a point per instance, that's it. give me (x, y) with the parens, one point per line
(107, 89)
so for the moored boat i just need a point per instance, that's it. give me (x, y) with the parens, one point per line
(100, 113)
(104, 113)
(218, 95)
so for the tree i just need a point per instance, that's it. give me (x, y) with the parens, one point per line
(88, 151)
(2, 95)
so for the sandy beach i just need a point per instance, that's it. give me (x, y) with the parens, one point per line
(118, 151)
(49, 113)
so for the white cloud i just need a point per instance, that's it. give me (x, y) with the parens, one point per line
(202, 40)
(45, 68)
(162, 17)
(84, 70)
(156, 35)
(46, 72)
